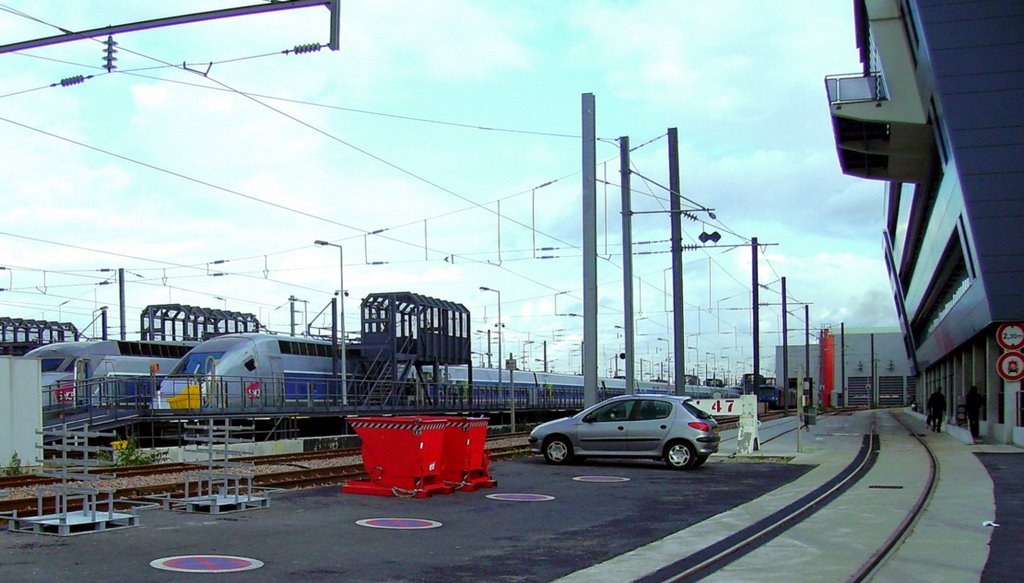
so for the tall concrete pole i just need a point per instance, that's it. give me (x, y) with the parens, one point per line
(627, 264)
(756, 321)
(678, 304)
(589, 359)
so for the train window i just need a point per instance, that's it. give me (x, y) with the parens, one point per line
(50, 364)
(250, 365)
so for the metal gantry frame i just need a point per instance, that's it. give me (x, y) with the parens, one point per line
(18, 336)
(193, 323)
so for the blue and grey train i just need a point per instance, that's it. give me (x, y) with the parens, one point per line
(248, 369)
(128, 365)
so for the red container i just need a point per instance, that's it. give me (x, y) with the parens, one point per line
(464, 460)
(402, 456)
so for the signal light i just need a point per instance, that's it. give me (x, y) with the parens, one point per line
(714, 237)
(108, 54)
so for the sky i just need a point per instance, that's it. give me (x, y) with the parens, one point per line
(440, 147)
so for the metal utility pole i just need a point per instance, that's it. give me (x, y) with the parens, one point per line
(678, 304)
(291, 313)
(627, 265)
(334, 341)
(120, 286)
(756, 324)
(842, 363)
(333, 5)
(589, 357)
(807, 349)
(784, 387)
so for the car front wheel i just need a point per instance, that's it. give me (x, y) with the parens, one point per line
(680, 455)
(558, 450)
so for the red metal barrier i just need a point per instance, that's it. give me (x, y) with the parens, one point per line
(402, 456)
(464, 460)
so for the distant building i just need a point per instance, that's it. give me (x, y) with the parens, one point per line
(937, 112)
(861, 367)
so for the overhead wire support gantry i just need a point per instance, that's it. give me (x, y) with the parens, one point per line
(333, 5)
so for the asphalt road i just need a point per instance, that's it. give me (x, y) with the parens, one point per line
(312, 535)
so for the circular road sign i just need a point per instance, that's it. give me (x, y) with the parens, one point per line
(1011, 336)
(1011, 365)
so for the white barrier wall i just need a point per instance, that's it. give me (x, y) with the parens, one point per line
(21, 410)
(744, 406)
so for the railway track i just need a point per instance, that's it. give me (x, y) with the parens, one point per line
(714, 560)
(302, 477)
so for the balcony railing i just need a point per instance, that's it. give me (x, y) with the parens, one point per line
(855, 88)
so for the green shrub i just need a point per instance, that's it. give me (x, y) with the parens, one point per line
(14, 466)
(130, 454)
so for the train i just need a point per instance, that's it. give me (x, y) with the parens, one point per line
(89, 359)
(254, 369)
(771, 396)
(130, 363)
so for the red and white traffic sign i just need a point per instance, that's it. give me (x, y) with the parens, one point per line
(1011, 336)
(1011, 365)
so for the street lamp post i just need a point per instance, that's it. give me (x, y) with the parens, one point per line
(501, 356)
(341, 312)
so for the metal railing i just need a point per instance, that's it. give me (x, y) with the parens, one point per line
(855, 88)
(119, 398)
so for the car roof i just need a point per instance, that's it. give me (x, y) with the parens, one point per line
(658, 395)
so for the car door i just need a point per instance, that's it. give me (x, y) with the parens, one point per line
(649, 425)
(605, 430)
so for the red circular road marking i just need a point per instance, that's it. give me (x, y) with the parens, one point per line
(514, 497)
(601, 479)
(399, 523)
(206, 564)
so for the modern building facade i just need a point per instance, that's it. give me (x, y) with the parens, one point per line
(937, 112)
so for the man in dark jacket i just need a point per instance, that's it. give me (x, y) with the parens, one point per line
(973, 404)
(936, 409)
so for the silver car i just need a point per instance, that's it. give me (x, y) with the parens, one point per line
(631, 426)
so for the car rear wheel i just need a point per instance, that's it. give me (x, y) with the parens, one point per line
(558, 450)
(680, 455)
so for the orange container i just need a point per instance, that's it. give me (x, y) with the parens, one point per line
(402, 455)
(464, 459)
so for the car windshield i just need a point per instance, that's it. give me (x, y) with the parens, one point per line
(695, 411)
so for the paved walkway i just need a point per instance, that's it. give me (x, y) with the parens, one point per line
(948, 542)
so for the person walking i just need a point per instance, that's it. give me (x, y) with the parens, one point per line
(973, 403)
(936, 409)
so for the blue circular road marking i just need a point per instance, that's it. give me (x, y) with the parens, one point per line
(601, 479)
(399, 523)
(206, 564)
(515, 497)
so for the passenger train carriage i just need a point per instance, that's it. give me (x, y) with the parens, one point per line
(129, 366)
(260, 370)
